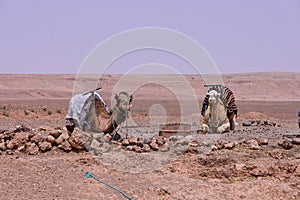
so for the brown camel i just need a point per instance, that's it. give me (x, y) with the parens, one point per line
(96, 117)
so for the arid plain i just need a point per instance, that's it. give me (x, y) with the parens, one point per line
(269, 101)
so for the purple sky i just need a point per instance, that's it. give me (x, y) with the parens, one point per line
(55, 36)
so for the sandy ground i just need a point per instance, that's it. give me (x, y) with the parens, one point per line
(270, 172)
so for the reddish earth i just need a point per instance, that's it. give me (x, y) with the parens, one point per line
(240, 172)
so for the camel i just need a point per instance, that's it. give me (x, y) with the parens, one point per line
(95, 116)
(216, 118)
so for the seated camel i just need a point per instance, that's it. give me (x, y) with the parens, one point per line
(90, 113)
(219, 110)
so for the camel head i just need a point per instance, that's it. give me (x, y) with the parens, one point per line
(124, 101)
(213, 97)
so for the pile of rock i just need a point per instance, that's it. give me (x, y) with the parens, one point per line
(31, 141)
(260, 123)
(287, 143)
(253, 144)
(140, 145)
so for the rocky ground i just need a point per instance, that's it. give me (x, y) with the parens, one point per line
(39, 160)
(259, 160)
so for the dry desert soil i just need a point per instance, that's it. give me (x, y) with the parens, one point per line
(259, 161)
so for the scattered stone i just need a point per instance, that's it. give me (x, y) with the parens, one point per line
(65, 146)
(140, 144)
(147, 140)
(146, 148)
(56, 133)
(95, 144)
(137, 149)
(18, 140)
(287, 144)
(257, 172)
(45, 146)
(125, 142)
(21, 148)
(43, 128)
(193, 144)
(160, 140)
(129, 148)
(75, 141)
(276, 154)
(9, 152)
(50, 139)
(253, 144)
(107, 138)
(219, 145)
(266, 122)
(239, 167)
(21, 128)
(229, 145)
(32, 148)
(132, 140)
(154, 146)
(262, 141)
(64, 136)
(2, 146)
(38, 138)
(247, 123)
(214, 148)
(242, 141)
(296, 141)
(176, 137)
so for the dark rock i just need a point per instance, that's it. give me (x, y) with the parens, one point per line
(266, 122)
(296, 141)
(21, 129)
(287, 144)
(140, 144)
(45, 146)
(219, 145)
(247, 123)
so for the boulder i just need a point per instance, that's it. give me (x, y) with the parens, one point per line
(63, 137)
(125, 142)
(253, 144)
(75, 141)
(262, 141)
(160, 140)
(246, 123)
(19, 139)
(296, 141)
(137, 149)
(38, 138)
(146, 148)
(229, 145)
(32, 148)
(287, 144)
(56, 133)
(154, 146)
(2, 146)
(45, 146)
(65, 146)
(51, 139)
(132, 140)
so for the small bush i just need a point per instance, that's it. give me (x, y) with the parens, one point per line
(58, 111)
(44, 108)
(49, 112)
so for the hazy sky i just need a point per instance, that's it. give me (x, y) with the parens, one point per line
(55, 36)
